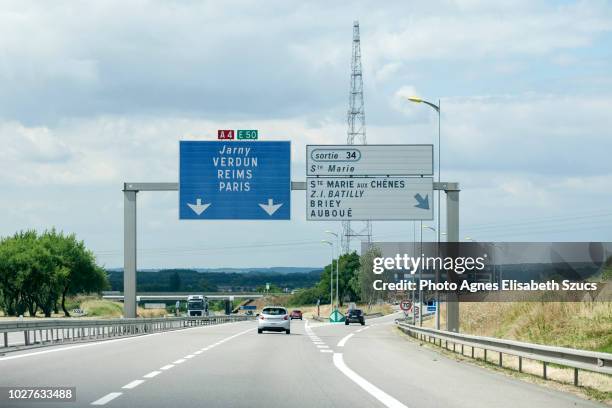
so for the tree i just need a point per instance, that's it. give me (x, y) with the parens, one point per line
(76, 270)
(35, 271)
(15, 272)
(324, 283)
(348, 269)
(366, 276)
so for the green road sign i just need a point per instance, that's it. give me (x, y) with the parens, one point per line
(247, 135)
(336, 317)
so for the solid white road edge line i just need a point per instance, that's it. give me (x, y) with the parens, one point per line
(370, 388)
(107, 398)
(342, 342)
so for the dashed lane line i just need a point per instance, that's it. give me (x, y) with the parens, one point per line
(133, 384)
(107, 398)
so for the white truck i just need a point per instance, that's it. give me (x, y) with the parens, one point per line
(197, 305)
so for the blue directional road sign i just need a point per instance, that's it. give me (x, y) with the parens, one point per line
(230, 180)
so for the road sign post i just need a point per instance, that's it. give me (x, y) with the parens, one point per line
(221, 180)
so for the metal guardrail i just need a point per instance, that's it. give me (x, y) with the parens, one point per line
(577, 359)
(58, 331)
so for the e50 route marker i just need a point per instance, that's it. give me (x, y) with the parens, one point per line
(247, 135)
(224, 180)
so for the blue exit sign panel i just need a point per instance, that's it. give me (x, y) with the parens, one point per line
(221, 180)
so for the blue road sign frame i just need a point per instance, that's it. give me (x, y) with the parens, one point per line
(262, 176)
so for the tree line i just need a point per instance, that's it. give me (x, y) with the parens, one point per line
(38, 271)
(355, 279)
(189, 280)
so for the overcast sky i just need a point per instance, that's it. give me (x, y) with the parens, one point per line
(93, 94)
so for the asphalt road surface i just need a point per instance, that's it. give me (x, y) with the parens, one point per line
(230, 365)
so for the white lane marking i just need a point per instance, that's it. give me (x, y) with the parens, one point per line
(322, 346)
(370, 388)
(152, 374)
(342, 342)
(136, 383)
(101, 342)
(107, 398)
(205, 348)
(326, 351)
(189, 356)
(133, 384)
(198, 352)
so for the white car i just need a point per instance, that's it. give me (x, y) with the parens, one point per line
(274, 318)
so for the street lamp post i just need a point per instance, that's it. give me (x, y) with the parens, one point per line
(337, 264)
(416, 99)
(437, 311)
(331, 275)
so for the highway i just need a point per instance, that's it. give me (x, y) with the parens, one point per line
(230, 365)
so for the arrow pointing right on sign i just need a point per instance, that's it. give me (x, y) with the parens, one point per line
(422, 202)
(198, 207)
(270, 208)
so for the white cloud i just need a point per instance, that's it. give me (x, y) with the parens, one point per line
(482, 32)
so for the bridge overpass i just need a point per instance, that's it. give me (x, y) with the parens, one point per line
(183, 296)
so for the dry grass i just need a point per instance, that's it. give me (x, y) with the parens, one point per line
(102, 308)
(142, 312)
(578, 325)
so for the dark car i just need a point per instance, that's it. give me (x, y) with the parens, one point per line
(296, 314)
(354, 316)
